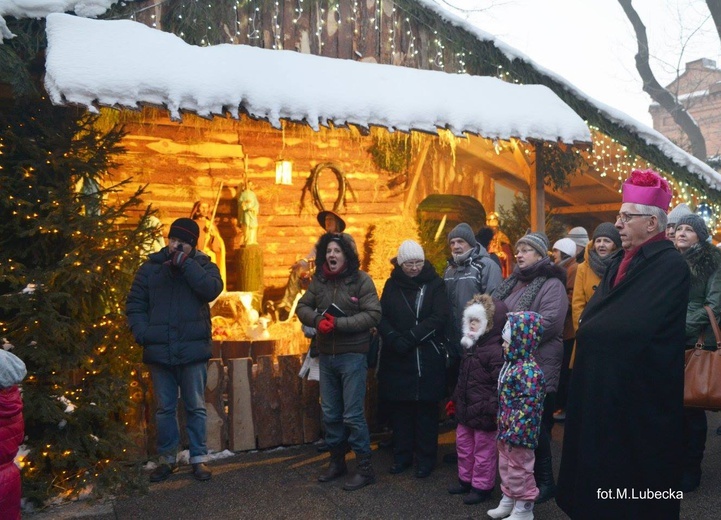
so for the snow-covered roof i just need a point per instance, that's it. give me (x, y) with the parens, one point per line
(41, 8)
(125, 63)
(645, 132)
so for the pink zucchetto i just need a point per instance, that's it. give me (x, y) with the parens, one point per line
(647, 187)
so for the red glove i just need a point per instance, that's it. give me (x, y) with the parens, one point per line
(450, 409)
(327, 324)
(178, 258)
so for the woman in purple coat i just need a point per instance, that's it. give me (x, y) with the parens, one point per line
(538, 285)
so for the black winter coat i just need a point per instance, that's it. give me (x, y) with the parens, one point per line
(167, 308)
(624, 416)
(415, 370)
(476, 394)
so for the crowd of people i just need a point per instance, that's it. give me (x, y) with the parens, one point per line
(591, 331)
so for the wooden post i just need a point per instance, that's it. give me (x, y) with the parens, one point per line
(240, 408)
(266, 404)
(538, 193)
(417, 174)
(250, 268)
(291, 402)
(216, 420)
(311, 410)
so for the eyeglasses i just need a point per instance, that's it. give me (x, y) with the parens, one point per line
(524, 250)
(626, 217)
(413, 265)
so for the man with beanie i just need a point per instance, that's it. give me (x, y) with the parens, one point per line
(579, 236)
(12, 433)
(169, 316)
(470, 271)
(681, 210)
(624, 416)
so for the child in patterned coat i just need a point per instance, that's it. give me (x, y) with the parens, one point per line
(521, 391)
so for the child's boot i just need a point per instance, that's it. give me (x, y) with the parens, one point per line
(476, 496)
(522, 510)
(504, 508)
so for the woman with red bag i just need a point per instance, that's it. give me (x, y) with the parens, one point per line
(703, 259)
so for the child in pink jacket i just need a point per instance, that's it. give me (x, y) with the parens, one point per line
(12, 431)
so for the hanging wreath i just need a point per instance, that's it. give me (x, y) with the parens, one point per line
(311, 185)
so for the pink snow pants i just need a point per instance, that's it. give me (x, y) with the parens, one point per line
(515, 464)
(477, 457)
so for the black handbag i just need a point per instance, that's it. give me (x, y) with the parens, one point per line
(374, 345)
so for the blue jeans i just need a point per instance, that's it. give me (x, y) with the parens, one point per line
(342, 398)
(191, 379)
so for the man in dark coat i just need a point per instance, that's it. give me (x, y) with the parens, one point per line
(169, 315)
(623, 434)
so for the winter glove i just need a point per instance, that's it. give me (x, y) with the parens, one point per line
(327, 324)
(178, 258)
(451, 409)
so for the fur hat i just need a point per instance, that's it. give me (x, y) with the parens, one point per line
(323, 214)
(538, 241)
(647, 187)
(676, 213)
(185, 229)
(410, 250)
(608, 230)
(579, 235)
(463, 231)
(697, 223)
(12, 369)
(480, 308)
(566, 245)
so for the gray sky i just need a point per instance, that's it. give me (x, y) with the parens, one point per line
(592, 44)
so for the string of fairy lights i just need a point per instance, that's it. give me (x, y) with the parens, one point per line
(610, 158)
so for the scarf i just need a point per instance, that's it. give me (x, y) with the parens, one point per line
(630, 254)
(599, 264)
(459, 259)
(531, 273)
(330, 275)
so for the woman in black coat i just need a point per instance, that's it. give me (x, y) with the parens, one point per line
(411, 374)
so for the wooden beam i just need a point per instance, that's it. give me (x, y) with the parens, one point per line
(538, 192)
(417, 174)
(609, 207)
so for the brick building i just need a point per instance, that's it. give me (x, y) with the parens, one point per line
(699, 88)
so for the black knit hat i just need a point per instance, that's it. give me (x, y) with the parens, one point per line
(185, 229)
(697, 223)
(609, 231)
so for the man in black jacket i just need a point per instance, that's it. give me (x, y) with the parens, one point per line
(623, 435)
(168, 312)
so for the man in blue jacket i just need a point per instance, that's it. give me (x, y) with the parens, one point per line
(169, 315)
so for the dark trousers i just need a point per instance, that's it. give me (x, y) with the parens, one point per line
(544, 438)
(694, 439)
(415, 431)
(565, 378)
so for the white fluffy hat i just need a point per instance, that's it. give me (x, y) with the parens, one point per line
(566, 245)
(410, 250)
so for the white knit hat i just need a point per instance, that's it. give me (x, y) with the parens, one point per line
(681, 210)
(12, 369)
(410, 250)
(566, 245)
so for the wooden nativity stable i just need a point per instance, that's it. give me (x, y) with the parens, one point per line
(328, 133)
(313, 134)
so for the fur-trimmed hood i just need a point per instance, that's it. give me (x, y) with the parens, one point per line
(481, 307)
(347, 244)
(703, 260)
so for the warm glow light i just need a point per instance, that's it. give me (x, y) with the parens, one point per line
(284, 172)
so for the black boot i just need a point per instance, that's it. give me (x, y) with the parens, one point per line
(336, 467)
(543, 472)
(364, 474)
(476, 496)
(460, 488)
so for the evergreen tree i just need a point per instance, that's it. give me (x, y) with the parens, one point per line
(67, 258)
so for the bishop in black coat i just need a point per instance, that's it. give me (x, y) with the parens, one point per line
(623, 430)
